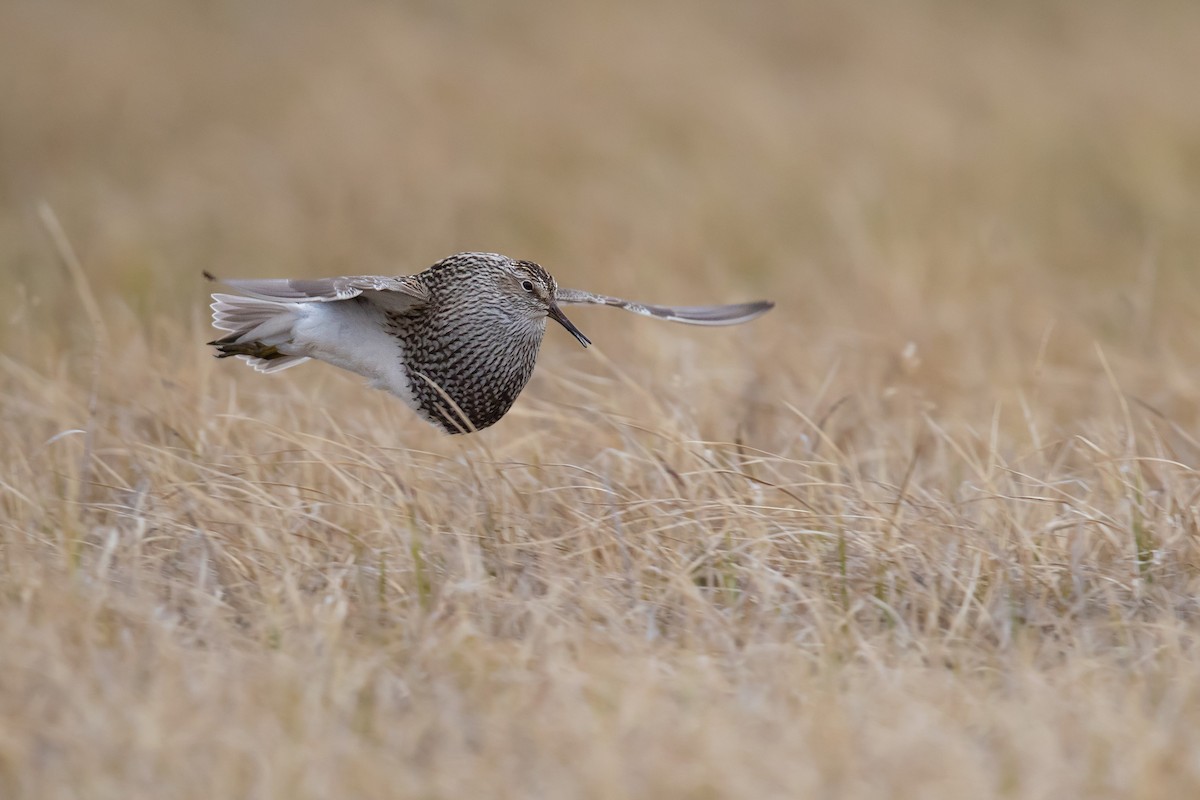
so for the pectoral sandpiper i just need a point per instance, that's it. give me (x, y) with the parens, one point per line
(457, 342)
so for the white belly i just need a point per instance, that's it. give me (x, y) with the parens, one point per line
(353, 336)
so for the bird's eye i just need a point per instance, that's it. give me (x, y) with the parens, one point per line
(527, 285)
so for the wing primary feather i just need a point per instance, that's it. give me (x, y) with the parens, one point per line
(328, 290)
(731, 314)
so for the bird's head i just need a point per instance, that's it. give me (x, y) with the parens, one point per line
(533, 290)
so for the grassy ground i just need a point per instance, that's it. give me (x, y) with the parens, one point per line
(929, 530)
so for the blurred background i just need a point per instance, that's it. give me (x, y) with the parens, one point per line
(1002, 185)
(929, 529)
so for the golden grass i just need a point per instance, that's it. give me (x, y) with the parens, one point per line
(929, 530)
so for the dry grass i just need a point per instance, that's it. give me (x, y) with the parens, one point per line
(929, 530)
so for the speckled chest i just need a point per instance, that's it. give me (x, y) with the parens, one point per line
(468, 352)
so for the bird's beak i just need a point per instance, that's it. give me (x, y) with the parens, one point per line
(561, 319)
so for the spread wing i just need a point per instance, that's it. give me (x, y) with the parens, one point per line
(398, 293)
(734, 314)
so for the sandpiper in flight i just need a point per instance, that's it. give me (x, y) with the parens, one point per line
(457, 342)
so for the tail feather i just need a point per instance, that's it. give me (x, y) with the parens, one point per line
(274, 364)
(256, 328)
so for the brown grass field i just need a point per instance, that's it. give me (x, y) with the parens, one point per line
(931, 529)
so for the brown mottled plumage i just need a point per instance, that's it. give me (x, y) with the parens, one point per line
(457, 342)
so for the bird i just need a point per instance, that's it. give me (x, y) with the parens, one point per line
(456, 343)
